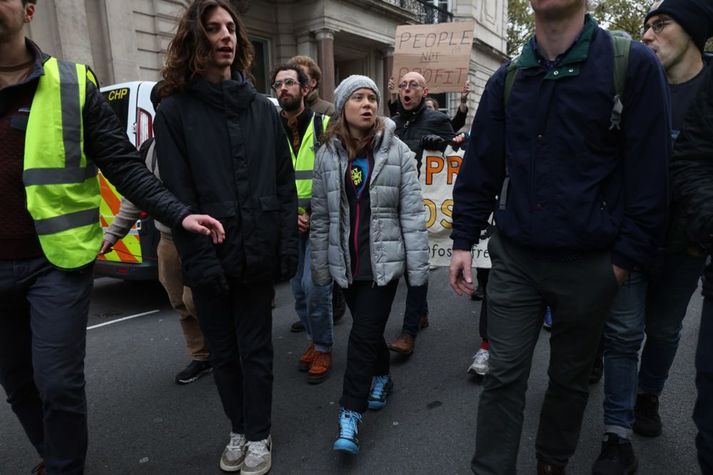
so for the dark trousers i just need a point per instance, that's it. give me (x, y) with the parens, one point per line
(703, 412)
(43, 320)
(579, 289)
(367, 353)
(667, 299)
(238, 328)
(482, 277)
(416, 307)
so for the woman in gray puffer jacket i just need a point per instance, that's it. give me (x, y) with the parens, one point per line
(367, 230)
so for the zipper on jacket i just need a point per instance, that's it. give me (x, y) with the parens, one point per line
(356, 235)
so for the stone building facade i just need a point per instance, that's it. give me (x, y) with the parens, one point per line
(124, 40)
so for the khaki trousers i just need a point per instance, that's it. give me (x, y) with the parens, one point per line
(171, 277)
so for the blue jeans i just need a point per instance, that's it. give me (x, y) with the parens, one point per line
(313, 303)
(703, 412)
(43, 320)
(623, 334)
(666, 305)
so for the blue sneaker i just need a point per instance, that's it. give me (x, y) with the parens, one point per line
(348, 430)
(547, 324)
(381, 387)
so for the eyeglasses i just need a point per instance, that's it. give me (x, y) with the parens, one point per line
(287, 83)
(656, 26)
(410, 85)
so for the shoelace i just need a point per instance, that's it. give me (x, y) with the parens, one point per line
(321, 359)
(258, 449)
(236, 440)
(348, 424)
(379, 386)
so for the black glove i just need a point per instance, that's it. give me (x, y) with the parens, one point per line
(218, 286)
(434, 142)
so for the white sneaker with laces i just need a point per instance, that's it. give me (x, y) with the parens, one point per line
(234, 453)
(480, 363)
(258, 460)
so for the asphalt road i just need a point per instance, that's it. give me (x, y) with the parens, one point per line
(140, 422)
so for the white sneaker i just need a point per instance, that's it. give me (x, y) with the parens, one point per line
(480, 363)
(234, 453)
(259, 457)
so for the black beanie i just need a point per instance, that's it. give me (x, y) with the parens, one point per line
(694, 16)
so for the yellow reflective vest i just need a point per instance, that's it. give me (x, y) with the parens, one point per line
(61, 185)
(303, 163)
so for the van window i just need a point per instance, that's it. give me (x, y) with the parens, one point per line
(119, 101)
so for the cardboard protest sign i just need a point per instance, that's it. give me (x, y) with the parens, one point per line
(440, 52)
(438, 174)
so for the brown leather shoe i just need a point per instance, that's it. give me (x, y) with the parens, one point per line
(307, 358)
(39, 469)
(319, 370)
(423, 321)
(547, 469)
(404, 344)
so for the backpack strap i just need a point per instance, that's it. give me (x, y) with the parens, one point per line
(621, 61)
(318, 131)
(510, 74)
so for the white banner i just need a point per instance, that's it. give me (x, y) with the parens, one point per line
(438, 174)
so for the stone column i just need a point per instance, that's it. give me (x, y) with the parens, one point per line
(325, 48)
(388, 67)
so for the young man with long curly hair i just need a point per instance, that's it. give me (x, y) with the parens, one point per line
(221, 147)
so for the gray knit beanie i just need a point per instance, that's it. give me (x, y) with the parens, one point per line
(347, 87)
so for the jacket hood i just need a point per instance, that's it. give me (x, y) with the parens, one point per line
(240, 90)
(382, 140)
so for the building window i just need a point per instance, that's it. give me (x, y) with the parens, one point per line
(261, 64)
(442, 11)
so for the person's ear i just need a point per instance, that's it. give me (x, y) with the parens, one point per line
(29, 12)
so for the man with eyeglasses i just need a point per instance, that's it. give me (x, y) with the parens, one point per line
(313, 303)
(655, 298)
(580, 199)
(676, 31)
(416, 124)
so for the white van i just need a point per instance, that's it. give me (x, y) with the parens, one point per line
(134, 257)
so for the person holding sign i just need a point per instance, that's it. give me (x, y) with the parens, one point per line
(575, 167)
(414, 123)
(362, 167)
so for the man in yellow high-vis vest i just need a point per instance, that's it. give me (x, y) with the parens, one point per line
(313, 303)
(55, 130)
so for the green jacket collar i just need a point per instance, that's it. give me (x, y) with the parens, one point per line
(529, 58)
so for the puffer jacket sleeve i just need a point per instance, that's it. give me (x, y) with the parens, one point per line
(319, 223)
(412, 217)
(198, 255)
(107, 145)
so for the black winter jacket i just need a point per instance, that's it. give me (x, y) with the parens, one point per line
(692, 166)
(412, 126)
(222, 150)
